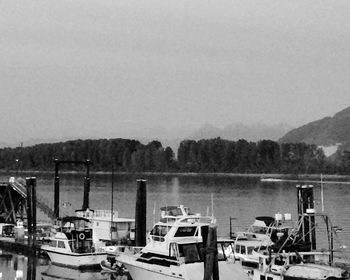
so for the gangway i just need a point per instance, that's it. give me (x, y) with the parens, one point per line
(13, 195)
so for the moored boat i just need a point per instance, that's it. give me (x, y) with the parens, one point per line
(73, 246)
(176, 250)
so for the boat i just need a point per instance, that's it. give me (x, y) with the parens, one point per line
(73, 246)
(108, 227)
(175, 250)
(267, 228)
(297, 266)
(247, 252)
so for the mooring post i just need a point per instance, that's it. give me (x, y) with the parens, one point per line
(56, 191)
(306, 212)
(29, 210)
(33, 191)
(86, 186)
(211, 270)
(140, 213)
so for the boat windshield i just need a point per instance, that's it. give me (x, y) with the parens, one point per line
(258, 229)
(193, 252)
(158, 232)
(190, 252)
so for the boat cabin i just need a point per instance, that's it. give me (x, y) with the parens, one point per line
(108, 226)
(267, 228)
(187, 251)
(247, 252)
(74, 235)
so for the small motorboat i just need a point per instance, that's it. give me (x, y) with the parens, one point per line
(73, 245)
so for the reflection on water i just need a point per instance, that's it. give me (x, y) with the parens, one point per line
(239, 197)
(19, 267)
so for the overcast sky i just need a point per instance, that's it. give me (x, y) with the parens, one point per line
(109, 68)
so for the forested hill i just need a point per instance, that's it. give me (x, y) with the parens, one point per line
(327, 131)
(212, 155)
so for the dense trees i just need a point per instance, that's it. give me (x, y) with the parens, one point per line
(266, 156)
(122, 154)
(212, 155)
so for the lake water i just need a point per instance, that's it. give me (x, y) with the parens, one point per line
(242, 198)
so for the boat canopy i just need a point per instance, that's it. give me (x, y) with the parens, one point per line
(72, 219)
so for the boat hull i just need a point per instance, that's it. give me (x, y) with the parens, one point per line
(191, 271)
(76, 260)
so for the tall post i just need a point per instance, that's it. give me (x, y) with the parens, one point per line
(33, 187)
(29, 211)
(211, 270)
(111, 227)
(56, 204)
(86, 186)
(306, 212)
(140, 213)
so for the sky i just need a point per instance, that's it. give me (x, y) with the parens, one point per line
(119, 68)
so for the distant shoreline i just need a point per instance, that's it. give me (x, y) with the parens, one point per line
(14, 173)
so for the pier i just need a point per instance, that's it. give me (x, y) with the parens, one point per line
(18, 205)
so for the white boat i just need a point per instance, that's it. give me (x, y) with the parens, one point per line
(73, 246)
(175, 250)
(107, 226)
(268, 229)
(297, 266)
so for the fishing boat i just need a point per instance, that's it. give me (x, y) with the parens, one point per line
(73, 246)
(176, 250)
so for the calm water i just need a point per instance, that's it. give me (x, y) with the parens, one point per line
(241, 198)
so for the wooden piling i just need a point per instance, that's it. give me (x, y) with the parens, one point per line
(31, 210)
(140, 213)
(86, 186)
(56, 202)
(211, 271)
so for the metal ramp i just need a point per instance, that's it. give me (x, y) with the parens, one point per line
(13, 197)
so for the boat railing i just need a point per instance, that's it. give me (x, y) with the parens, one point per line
(105, 214)
(196, 219)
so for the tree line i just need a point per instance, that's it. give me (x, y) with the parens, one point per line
(210, 155)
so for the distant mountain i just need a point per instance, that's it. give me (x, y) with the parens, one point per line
(325, 132)
(241, 131)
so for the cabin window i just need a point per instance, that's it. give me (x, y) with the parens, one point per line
(260, 230)
(228, 249)
(238, 249)
(159, 232)
(242, 250)
(172, 250)
(262, 277)
(53, 243)
(269, 278)
(189, 252)
(60, 244)
(250, 250)
(221, 253)
(185, 231)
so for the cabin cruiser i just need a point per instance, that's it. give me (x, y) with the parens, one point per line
(268, 229)
(176, 250)
(73, 246)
